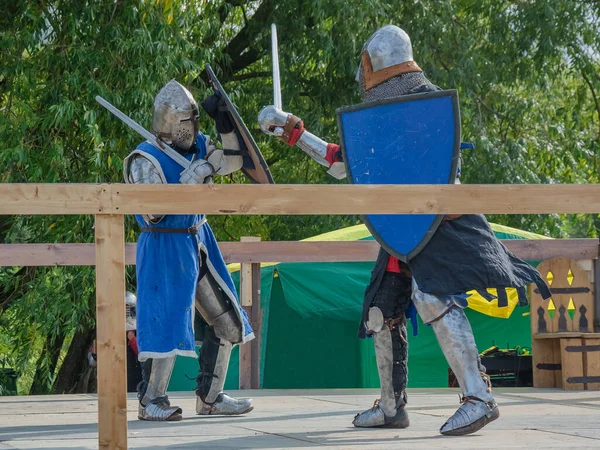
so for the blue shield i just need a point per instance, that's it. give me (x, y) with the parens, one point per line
(413, 139)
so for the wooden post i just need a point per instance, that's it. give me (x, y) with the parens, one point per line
(110, 334)
(256, 320)
(596, 294)
(246, 300)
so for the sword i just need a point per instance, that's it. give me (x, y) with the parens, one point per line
(170, 152)
(275, 56)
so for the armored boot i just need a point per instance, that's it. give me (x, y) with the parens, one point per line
(223, 405)
(454, 334)
(391, 353)
(375, 417)
(159, 409)
(214, 361)
(478, 407)
(152, 391)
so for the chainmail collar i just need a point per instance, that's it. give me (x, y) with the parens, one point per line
(394, 87)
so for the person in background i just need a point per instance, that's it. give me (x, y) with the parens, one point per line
(134, 367)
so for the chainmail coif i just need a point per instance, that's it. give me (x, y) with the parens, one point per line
(396, 86)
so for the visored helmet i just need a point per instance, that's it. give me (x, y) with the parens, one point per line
(175, 116)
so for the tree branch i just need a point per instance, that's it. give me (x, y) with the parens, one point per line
(247, 76)
(244, 60)
(247, 34)
(591, 86)
(244, 49)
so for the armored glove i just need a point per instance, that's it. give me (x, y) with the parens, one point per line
(216, 108)
(285, 126)
(199, 172)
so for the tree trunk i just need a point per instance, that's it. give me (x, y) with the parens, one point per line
(72, 373)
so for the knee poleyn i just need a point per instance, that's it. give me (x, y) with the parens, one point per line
(228, 327)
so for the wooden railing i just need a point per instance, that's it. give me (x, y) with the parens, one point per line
(110, 202)
(282, 251)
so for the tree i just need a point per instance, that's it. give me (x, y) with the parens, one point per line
(527, 75)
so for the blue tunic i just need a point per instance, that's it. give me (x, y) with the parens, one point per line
(168, 267)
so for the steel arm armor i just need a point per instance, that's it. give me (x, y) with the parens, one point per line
(290, 129)
(140, 170)
(224, 164)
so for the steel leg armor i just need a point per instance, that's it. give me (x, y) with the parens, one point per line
(152, 391)
(387, 324)
(455, 336)
(223, 332)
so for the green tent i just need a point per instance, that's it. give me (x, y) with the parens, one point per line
(311, 313)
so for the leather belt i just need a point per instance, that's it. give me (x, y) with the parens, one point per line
(191, 230)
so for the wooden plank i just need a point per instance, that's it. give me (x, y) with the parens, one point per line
(566, 335)
(256, 320)
(593, 363)
(281, 199)
(280, 251)
(110, 334)
(294, 251)
(35, 255)
(542, 249)
(55, 198)
(298, 199)
(572, 364)
(545, 361)
(246, 299)
(558, 374)
(246, 284)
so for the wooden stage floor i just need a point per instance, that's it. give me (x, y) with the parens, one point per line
(303, 419)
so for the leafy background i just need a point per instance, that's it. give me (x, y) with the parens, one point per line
(527, 73)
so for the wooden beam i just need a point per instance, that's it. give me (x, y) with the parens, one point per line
(295, 251)
(281, 199)
(341, 251)
(292, 199)
(55, 254)
(283, 251)
(110, 332)
(542, 249)
(55, 198)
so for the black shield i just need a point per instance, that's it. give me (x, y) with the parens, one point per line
(255, 167)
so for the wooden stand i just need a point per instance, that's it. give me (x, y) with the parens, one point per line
(565, 349)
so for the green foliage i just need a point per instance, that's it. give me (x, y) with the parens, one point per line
(527, 74)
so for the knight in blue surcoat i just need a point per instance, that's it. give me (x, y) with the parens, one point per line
(180, 269)
(462, 255)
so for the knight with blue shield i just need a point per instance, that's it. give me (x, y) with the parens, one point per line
(180, 269)
(455, 254)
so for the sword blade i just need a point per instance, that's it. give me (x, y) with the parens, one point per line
(276, 79)
(170, 152)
